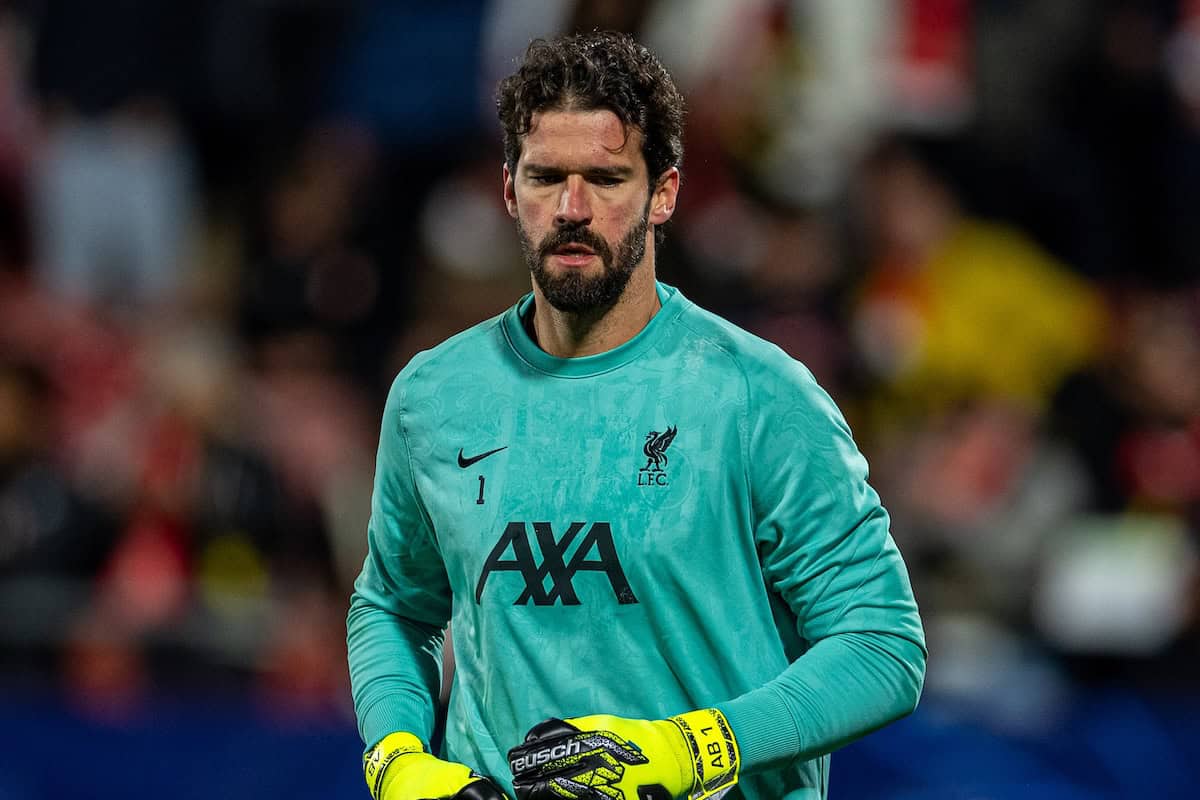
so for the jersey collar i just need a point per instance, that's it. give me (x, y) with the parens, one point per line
(519, 340)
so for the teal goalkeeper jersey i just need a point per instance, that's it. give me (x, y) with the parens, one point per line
(678, 523)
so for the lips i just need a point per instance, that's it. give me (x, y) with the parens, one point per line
(574, 247)
(574, 250)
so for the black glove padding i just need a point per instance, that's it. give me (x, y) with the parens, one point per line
(558, 761)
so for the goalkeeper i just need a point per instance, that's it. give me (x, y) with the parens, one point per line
(650, 532)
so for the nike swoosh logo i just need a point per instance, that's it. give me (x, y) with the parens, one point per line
(466, 462)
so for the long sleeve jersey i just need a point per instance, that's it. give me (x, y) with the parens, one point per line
(681, 522)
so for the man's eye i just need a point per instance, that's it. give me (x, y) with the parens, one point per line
(544, 180)
(605, 180)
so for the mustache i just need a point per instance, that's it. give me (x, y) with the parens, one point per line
(575, 235)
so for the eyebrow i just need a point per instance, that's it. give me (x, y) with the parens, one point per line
(611, 172)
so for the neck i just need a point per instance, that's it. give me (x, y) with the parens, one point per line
(569, 334)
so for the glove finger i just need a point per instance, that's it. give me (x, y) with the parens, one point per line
(482, 789)
(550, 728)
(572, 788)
(535, 790)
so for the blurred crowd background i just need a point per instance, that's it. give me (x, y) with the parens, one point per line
(226, 224)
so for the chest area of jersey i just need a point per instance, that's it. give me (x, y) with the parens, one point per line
(558, 497)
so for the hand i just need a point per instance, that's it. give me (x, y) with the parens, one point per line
(601, 757)
(398, 768)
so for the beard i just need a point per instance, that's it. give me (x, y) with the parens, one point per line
(573, 291)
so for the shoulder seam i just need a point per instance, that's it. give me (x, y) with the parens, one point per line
(412, 473)
(405, 380)
(745, 433)
(451, 344)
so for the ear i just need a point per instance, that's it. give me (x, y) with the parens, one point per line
(510, 194)
(662, 202)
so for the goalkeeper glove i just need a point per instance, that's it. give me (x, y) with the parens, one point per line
(601, 757)
(398, 768)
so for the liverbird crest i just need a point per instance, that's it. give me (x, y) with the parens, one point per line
(655, 449)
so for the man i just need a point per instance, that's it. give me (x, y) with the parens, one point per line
(651, 531)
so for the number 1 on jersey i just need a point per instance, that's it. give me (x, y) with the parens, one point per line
(479, 500)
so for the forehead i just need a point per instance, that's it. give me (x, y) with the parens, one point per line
(579, 139)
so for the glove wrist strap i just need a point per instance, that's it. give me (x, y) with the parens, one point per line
(376, 761)
(714, 751)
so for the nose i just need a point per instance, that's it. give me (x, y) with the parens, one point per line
(574, 205)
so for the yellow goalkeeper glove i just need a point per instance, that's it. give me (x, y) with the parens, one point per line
(398, 768)
(601, 757)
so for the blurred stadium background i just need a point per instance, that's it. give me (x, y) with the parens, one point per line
(226, 224)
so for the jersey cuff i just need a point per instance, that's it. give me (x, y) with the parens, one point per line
(764, 728)
(395, 713)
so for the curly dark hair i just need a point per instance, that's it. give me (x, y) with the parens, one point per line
(589, 71)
